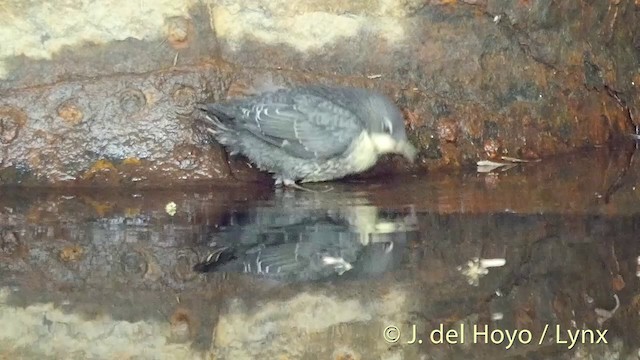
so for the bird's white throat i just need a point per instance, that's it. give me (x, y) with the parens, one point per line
(367, 147)
(384, 143)
(363, 153)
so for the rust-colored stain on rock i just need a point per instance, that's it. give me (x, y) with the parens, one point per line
(179, 32)
(100, 168)
(493, 148)
(71, 253)
(448, 130)
(70, 112)
(101, 208)
(11, 121)
(346, 356)
(618, 283)
(183, 325)
(131, 161)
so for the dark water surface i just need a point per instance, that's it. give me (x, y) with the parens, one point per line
(539, 261)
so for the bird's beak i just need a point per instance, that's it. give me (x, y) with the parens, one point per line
(407, 150)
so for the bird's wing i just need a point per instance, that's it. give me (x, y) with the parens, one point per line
(316, 255)
(303, 125)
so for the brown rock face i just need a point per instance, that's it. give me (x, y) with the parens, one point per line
(475, 79)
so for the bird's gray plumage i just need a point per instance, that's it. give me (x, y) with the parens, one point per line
(312, 133)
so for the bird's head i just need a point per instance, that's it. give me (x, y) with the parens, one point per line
(385, 125)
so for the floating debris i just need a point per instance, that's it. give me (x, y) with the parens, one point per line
(516, 160)
(477, 268)
(171, 208)
(473, 271)
(604, 314)
(485, 166)
(342, 265)
(489, 263)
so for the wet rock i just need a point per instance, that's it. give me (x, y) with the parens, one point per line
(132, 101)
(11, 121)
(133, 263)
(10, 243)
(153, 270)
(492, 148)
(139, 122)
(448, 131)
(473, 78)
(184, 97)
(345, 355)
(130, 37)
(184, 266)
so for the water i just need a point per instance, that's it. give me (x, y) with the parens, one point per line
(511, 264)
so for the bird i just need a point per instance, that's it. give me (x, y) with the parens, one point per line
(309, 242)
(311, 133)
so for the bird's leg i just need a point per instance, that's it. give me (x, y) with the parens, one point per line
(229, 169)
(292, 184)
(299, 187)
(388, 247)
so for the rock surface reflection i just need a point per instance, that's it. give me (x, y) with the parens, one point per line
(109, 274)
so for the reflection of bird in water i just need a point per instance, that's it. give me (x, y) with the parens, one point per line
(309, 241)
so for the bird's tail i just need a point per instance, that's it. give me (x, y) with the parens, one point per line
(214, 118)
(217, 258)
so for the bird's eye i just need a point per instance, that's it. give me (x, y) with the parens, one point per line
(387, 127)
